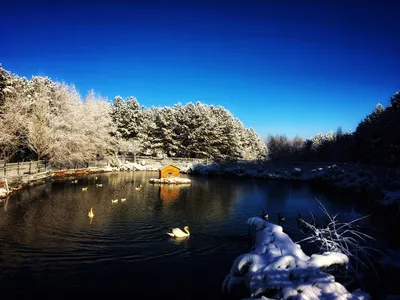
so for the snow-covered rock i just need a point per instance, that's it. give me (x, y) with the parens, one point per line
(279, 266)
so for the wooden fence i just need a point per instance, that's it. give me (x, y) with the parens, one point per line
(17, 169)
(22, 168)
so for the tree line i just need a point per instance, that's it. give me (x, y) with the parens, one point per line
(44, 119)
(376, 141)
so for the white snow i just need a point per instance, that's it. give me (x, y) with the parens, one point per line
(129, 166)
(3, 192)
(279, 266)
(171, 180)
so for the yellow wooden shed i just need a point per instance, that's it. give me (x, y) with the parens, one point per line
(170, 171)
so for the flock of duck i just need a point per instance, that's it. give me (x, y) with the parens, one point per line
(265, 217)
(304, 225)
(113, 201)
(177, 232)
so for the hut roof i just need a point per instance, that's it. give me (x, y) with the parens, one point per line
(168, 167)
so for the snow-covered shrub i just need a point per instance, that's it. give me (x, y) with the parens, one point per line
(340, 237)
(277, 268)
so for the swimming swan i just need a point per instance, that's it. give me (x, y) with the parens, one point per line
(178, 233)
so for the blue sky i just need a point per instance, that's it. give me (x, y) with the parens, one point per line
(287, 67)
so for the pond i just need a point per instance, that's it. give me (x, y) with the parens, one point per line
(49, 245)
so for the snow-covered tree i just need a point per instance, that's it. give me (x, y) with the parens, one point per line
(126, 116)
(40, 137)
(67, 123)
(97, 127)
(13, 109)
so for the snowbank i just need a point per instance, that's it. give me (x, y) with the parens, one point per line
(277, 267)
(172, 180)
(3, 193)
(128, 166)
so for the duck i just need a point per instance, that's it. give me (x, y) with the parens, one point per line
(114, 201)
(264, 216)
(84, 189)
(91, 213)
(280, 218)
(99, 185)
(123, 199)
(178, 233)
(138, 188)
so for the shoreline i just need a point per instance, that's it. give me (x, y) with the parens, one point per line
(382, 187)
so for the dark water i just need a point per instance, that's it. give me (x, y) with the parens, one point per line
(49, 247)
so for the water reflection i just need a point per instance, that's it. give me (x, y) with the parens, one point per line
(169, 193)
(47, 228)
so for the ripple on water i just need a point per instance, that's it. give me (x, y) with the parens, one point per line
(46, 231)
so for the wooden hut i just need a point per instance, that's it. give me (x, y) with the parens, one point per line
(169, 172)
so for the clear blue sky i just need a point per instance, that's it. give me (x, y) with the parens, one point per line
(301, 67)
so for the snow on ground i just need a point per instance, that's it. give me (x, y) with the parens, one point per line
(129, 166)
(3, 192)
(172, 180)
(277, 266)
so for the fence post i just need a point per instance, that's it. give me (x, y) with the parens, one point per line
(30, 167)
(37, 167)
(18, 168)
(5, 168)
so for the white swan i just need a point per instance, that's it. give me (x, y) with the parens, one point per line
(178, 233)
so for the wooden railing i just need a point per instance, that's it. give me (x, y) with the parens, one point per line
(33, 167)
(21, 168)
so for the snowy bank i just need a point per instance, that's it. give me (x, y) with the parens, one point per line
(344, 176)
(129, 166)
(172, 180)
(278, 269)
(3, 193)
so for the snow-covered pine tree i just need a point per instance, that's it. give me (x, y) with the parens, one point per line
(127, 116)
